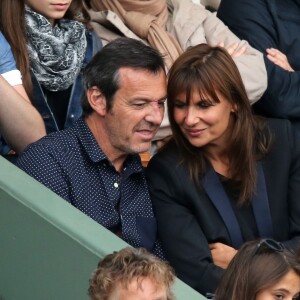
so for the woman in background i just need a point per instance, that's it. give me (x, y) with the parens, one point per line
(51, 44)
(261, 270)
(227, 176)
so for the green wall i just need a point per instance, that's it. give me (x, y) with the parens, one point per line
(48, 248)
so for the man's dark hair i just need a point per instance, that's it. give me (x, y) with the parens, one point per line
(103, 70)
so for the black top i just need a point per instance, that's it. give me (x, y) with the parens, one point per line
(243, 213)
(58, 103)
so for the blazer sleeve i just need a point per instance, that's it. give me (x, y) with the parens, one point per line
(294, 188)
(183, 240)
(253, 21)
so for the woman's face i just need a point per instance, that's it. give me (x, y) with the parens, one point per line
(50, 9)
(287, 288)
(202, 122)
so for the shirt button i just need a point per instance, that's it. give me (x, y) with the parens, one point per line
(116, 185)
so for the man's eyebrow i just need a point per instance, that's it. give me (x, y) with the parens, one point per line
(148, 100)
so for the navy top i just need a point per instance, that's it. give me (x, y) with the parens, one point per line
(271, 24)
(72, 164)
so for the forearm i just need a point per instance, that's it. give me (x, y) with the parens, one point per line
(20, 123)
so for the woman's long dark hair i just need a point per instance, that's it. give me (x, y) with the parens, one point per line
(211, 71)
(249, 273)
(12, 25)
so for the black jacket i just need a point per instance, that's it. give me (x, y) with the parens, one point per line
(188, 220)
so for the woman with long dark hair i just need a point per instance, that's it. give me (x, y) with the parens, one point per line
(226, 177)
(261, 270)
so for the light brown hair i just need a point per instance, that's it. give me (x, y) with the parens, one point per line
(126, 265)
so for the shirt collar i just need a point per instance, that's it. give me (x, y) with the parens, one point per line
(132, 163)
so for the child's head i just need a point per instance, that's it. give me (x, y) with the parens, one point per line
(131, 273)
(261, 270)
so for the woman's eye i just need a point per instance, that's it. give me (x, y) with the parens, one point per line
(179, 104)
(205, 104)
(279, 297)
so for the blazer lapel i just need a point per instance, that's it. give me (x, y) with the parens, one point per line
(214, 189)
(260, 205)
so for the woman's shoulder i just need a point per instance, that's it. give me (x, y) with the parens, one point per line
(282, 132)
(274, 123)
(279, 127)
(168, 155)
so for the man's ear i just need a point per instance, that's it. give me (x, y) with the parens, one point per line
(97, 100)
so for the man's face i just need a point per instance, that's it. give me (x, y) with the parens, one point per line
(136, 112)
(140, 289)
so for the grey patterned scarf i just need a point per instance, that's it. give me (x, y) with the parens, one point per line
(56, 54)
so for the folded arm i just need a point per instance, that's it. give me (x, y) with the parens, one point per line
(254, 22)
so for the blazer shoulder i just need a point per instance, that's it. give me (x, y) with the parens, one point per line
(169, 154)
(283, 134)
(279, 127)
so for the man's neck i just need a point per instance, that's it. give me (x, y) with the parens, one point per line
(116, 157)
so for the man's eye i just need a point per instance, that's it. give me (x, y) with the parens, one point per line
(139, 104)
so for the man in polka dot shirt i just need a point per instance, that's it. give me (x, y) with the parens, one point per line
(94, 164)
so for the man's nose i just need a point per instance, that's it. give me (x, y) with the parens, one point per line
(156, 113)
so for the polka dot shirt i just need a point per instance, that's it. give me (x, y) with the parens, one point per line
(72, 164)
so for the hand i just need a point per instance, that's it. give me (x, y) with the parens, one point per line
(233, 49)
(279, 59)
(222, 254)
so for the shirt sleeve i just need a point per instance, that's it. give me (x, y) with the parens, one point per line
(254, 22)
(39, 161)
(294, 189)
(13, 77)
(7, 61)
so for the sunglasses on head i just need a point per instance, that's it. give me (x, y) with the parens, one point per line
(270, 244)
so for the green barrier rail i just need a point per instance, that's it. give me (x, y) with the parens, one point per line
(48, 248)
